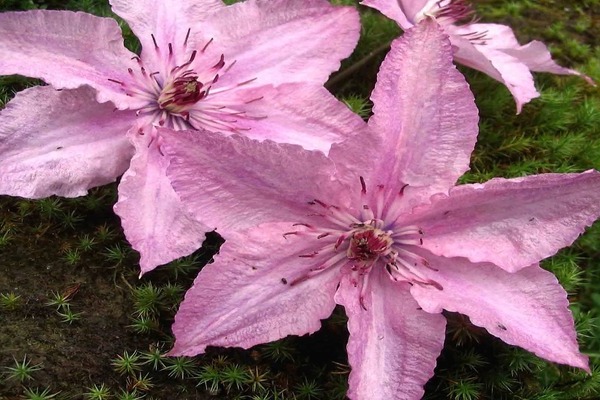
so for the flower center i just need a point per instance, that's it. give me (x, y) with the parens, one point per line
(183, 92)
(170, 92)
(356, 241)
(447, 12)
(369, 244)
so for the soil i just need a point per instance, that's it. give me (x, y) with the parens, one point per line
(73, 357)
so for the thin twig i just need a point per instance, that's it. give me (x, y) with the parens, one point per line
(345, 74)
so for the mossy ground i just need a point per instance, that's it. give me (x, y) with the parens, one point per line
(75, 248)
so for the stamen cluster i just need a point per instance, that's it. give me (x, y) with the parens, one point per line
(175, 94)
(373, 238)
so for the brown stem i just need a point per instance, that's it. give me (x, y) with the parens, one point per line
(346, 73)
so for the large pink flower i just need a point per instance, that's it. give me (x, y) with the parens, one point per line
(380, 228)
(255, 67)
(489, 48)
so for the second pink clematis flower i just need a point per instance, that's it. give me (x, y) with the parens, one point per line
(380, 228)
(256, 67)
(490, 48)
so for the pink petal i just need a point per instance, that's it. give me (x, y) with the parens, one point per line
(404, 12)
(534, 55)
(168, 21)
(245, 182)
(296, 113)
(537, 58)
(512, 223)
(153, 218)
(279, 41)
(393, 344)
(246, 297)
(528, 308)
(424, 114)
(67, 50)
(496, 63)
(61, 143)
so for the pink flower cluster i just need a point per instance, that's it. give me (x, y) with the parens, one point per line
(222, 123)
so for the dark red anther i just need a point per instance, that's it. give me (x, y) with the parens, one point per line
(361, 299)
(220, 64)
(206, 45)
(187, 36)
(313, 254)
(246, 82)
(253, 100)
(434, 284)
(302, 224)
(230, 65)
(401, 192)
(339, 242)
(319, 202)
(170, 49)
(363, 185)
(154, 40)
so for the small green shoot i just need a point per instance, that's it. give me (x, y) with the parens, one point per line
(129, 395)
(104, 233)
(127, 364)
(50, 208)
(97, 392)
(36, 394)
(465, 389)
(308, 390)
(9, 301)
(235, 377)
(279, 351)
(210, 376)
(172, 294)
(142, 324)
(180, 367)
(5, 238)
(258, 379)
(148, 299)
(184, 266)
(68, 316)
(140, 382)
(116, 254)
(154, 357)
(86, 243)
(22, 371)
(58, 300)
(72, 256)
(70, 219)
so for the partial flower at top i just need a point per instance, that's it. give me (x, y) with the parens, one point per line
(255, 67)
(380, 228)
(489, 48)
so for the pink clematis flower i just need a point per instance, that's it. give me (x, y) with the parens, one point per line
(380, 228)
(256, 67)
(490, 48)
